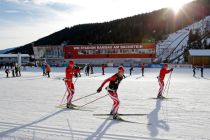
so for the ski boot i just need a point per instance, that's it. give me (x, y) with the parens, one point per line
(116, 117)
(161, 97)
(68, 105)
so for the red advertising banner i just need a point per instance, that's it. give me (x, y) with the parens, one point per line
(134, 50)
(113, 47)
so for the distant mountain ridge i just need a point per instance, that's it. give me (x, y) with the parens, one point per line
(142, 28)
(6, 50)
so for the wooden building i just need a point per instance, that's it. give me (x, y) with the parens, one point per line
(199, 57)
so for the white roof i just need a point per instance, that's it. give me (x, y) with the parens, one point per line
(204, 52)
(14, 55)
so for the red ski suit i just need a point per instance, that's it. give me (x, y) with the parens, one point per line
(163, 72)
(69, 83)
(112, 90)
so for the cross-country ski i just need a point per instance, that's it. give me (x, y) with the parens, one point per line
(125, 120)
(120, 114)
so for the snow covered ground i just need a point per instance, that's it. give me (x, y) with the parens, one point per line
(28, 107)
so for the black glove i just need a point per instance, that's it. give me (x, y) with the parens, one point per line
(172, 69)
(99, 89)
(124, 76)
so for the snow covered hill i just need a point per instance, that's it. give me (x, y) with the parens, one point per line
(28, 107)
(173, 47)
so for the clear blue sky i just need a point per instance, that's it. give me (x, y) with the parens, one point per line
(24, 21)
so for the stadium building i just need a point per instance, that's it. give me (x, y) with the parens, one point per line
(52, 54)
(111, 54)
(199, 57)
(12, 59)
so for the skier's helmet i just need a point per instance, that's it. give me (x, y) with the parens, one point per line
(165, 65)
(121, 69)
(71, 63)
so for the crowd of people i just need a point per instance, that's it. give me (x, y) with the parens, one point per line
(46, 70)
(141, 67)
(15, 70)
(198, 68)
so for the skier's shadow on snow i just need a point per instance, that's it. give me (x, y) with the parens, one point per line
(7, 132)
(155, 122)
(139, 77)
(206, 78)
(95, 75)
(35, 78)
(102, 130)
(197, 77)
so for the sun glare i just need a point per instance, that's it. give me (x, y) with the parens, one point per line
(175, 8)
(177, 5)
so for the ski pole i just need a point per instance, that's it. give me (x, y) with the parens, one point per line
(93, 100)
(64, 94)
(75, 80)
(84, 97)
(78, 98)
(168, 87)
(168, 83)
(81, 97)
(63, 98)
(67, 89)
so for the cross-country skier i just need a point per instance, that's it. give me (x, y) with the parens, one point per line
(69, 83)
(16, 70)
(114, 82)
(142, 69)
(48, 70)
(77, 71)
(91, 68)
(131, 69)
(7, 72)
(194, 68)
(163, 72)
(13, 71)
(19, 70)
(103, 68)
(202, 67)
(43, 69)
(87, 70)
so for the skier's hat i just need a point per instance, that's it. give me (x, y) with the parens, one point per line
(165, 65)
(121, 69)
(71, 63)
